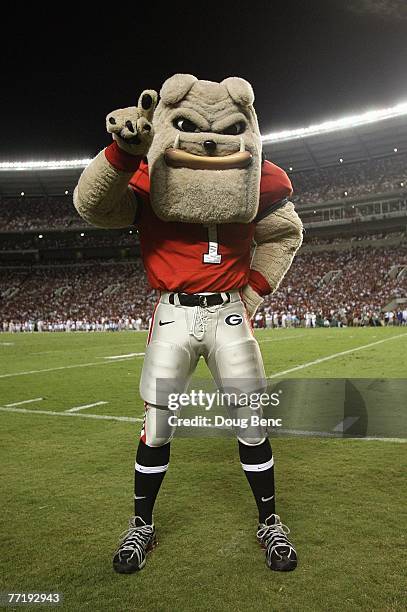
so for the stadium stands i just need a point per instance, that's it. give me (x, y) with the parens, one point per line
(350, 180)
(58, 273)
(63, 240)
(111, 295)
(354, 296)
(100, 296)
(312, 187)
(30, 213)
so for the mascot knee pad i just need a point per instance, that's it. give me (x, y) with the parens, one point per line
(252, 441)
(158, 429)
(246, 424)
(239, 366)
(166, 370)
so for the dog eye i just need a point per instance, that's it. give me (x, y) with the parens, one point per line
(185, 125)
(235, 129)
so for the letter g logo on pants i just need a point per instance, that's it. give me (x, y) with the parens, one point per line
(234, 319)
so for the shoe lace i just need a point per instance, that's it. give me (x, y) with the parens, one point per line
(199, 323)
(275, 536)
(135, 539)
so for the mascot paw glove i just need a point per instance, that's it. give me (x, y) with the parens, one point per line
(132, 127)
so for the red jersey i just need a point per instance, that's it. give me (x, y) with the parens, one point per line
(194, 258)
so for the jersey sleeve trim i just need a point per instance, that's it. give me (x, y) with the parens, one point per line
(258, 283)
(121, 160)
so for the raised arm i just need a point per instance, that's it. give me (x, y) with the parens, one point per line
(278, 237)
(102, 196)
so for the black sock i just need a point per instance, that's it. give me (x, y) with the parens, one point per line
(257, 463)
(151, 466)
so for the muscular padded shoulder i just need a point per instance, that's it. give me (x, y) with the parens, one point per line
(275, 186)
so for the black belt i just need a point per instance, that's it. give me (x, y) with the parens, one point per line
(187, 299)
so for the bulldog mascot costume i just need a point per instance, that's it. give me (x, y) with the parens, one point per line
(217, 232)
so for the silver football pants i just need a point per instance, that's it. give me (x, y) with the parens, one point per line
(179, 336)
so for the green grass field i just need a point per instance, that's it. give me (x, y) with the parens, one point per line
(67, 483)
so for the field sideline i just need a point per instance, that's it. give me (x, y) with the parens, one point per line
(67, 484)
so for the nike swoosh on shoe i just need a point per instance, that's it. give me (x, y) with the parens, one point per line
(266, 499)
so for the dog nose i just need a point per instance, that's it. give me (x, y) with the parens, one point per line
(210, 146)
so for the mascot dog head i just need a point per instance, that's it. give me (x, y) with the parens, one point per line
(205, 159)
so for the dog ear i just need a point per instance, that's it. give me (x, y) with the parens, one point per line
(239, 90)
(176, 88)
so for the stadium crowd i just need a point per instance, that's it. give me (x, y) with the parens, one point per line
(111, 295)
(343, 284)
(324, 288)
(350, 180)
(336, 288)
(310, 187)
(71, 240)
(28, 213)
(316, 240)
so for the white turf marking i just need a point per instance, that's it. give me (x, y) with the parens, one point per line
(36, 399)
(334, 356)
(77, 408)
(346, 424)
(125, 356)
(281, 339)
(6, 343)
(102, 417)
(329, 434)
(121, 358)
(68, 367)
(108, 417)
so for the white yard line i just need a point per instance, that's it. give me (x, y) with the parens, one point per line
(84, 415)
(77, 408)
(329, 434)
(125, 356)
(346, 424)
(67, 367)
(6, 343)
(334, 356)
(108, 417)
(36, 399)
(304, 432)
(281, 339)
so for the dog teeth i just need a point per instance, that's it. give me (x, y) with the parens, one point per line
(242, 147)
(176, 142)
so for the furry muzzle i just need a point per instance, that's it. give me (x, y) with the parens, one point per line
(210, 189)
(178, 158)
